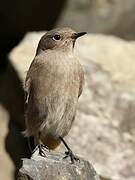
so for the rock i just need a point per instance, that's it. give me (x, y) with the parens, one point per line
(104, 129)
(115, 56)
(55, 167)
(101, 16)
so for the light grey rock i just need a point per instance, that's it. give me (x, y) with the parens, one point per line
(104, 129)
(101, 16)
(54, 167)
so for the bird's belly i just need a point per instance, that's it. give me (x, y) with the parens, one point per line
(61, 113)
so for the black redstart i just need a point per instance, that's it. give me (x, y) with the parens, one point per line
(53, 85)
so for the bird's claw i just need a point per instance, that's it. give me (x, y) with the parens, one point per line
(42, 148)
(73, 157)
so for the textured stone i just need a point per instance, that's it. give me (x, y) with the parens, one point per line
(55, 167)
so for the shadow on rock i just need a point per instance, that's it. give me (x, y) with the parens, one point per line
(11, 98)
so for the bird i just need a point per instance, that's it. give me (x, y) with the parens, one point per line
(53, 85)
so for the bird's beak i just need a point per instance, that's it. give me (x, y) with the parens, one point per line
(77, 35)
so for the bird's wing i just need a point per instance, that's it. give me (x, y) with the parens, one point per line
(27, 84)
(81, 76)
(34, 67)
(26, 89)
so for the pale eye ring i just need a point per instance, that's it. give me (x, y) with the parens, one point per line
(56, 37)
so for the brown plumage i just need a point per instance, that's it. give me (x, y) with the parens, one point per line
(53, 85)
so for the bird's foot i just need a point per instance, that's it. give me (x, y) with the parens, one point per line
(73, 157)
(42, 149)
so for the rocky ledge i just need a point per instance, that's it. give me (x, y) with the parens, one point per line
(53, 166)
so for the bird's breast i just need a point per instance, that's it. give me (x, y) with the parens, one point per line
(58, 74)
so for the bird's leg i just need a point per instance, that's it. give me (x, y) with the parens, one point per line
(69, 153)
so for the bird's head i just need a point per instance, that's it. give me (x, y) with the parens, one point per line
(63, 38)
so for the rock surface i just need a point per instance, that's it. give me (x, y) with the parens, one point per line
(104, 129)
(55, 167)
(101, 16)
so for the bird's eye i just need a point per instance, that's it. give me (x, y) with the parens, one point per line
(56, 37)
